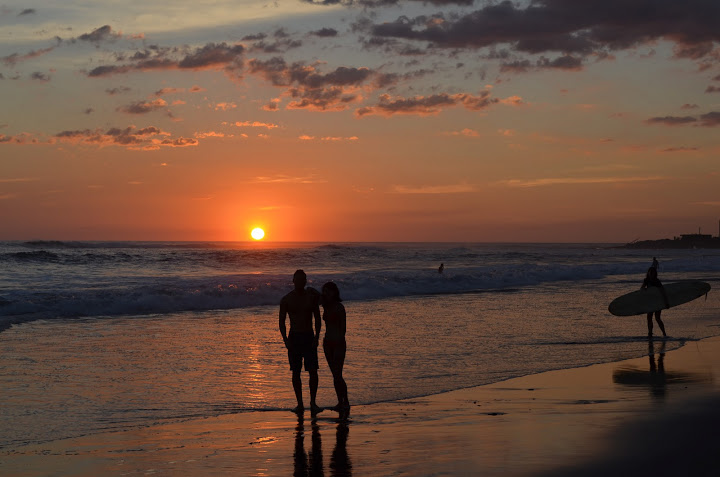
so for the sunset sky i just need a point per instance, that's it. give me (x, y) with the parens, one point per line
(359, 120)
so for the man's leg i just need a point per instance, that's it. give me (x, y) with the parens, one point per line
(297, 386)
(313, 389)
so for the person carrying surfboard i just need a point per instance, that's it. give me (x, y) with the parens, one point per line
(652, 280)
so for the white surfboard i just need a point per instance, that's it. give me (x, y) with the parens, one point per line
(650, 299)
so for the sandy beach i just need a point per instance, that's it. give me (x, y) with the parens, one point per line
(655, 415)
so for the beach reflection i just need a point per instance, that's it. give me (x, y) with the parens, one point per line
(312, 464)
(656, 379)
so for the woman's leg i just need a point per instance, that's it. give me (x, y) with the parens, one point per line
(660, 323)
(650, 325)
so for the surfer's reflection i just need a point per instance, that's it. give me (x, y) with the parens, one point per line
(312, 464)
(656, 379)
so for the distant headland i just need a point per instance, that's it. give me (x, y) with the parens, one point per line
(697, 240)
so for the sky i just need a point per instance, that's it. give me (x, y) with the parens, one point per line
(359, 120)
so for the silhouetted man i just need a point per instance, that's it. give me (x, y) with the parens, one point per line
(302, 305)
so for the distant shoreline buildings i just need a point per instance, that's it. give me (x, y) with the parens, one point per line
(698, 240)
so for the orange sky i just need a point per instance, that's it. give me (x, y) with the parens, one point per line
(359, 121)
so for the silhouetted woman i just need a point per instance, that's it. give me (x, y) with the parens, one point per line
(334, 343)
(651, 280)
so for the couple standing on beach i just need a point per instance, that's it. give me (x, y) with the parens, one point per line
(302, 305)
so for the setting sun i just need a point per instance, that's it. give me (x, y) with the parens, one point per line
(257, 233)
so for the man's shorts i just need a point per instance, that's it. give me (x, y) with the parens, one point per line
(301, 347)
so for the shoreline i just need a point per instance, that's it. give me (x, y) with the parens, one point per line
(575, 421)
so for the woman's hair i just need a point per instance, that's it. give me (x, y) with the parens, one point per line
(333, 288)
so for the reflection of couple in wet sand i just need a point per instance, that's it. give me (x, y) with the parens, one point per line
(302, 305)
(340, 464)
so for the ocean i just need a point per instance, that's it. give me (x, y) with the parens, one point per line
(110, 336)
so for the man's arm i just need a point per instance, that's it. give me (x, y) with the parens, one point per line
(283, 317)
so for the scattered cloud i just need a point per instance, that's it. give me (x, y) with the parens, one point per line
(39, 76)
(575, 29)
(255, 124)
(325, 32)
(100, 34)
(426, 105)
(576, 181)
(467, 132)
(285, 179)
(118, 90)
(681, 149)
(672, 120)
(309, 88)
(143, 107)
(212, 56)
(225, 106)
(710, 119)
(149, 138)
(15, 58)
(434, 189)
(202, 135)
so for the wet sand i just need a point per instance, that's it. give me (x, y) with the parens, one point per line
(657, 415)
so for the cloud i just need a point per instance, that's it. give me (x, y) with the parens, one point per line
(212, 56)
(713, 89)
(671, 120)
(426, 105)
(100, 34)
(225, 106)
(39, 76)
(310, 88)
(681, 149)
(385, 3)
(13, 59)
(576, 181)
(22, 138)
(165, 91)
(148, 138)
(202, 135)
(325, 32)
(567, 26)
(143, 107)
(436, 189)
(118, 90)
(467, 132)
(285, 179)
(256, 124)
(305, 137)
(27, 11)
(281, 42)
(711, 119)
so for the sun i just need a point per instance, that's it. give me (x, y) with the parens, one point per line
(257, 233)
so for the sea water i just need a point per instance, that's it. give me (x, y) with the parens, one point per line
(99, 337)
